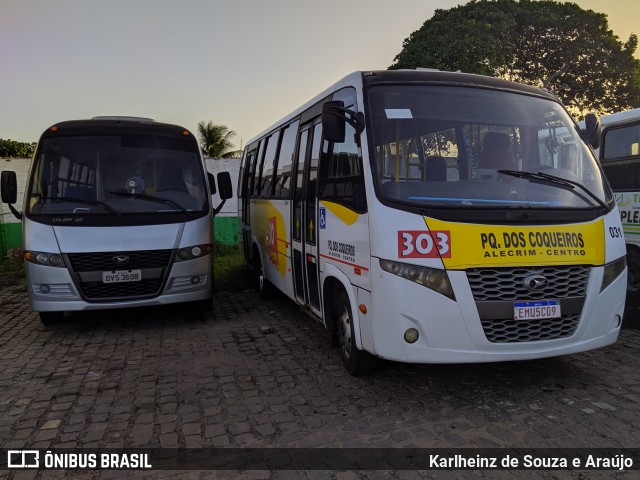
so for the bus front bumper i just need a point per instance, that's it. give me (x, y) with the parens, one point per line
(53, 289)
(452, 332)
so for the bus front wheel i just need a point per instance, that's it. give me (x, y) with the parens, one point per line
(633, 276)
(50, 318)
(357, 362)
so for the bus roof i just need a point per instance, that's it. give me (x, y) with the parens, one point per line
(422, 76)
(105, 125)
(620, 117)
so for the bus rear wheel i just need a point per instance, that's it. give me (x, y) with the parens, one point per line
(265, 288)
(357, 362)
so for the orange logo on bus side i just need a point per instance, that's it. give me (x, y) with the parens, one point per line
(273, 240)
(424, 244)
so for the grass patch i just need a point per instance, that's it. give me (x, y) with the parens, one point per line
(229, 269)
(11, 268)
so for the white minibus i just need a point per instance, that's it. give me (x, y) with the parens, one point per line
(619, 154)
(117, 213)
(416, 215)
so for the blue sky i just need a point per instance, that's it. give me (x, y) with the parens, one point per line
(242, 63)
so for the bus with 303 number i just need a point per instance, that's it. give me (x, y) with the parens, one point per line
(117, 213)
(416, 214)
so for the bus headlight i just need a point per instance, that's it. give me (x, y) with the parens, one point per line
(432, 278)
(44, 258)
(613, 271)
(197, 251)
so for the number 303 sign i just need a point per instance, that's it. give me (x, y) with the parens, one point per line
(424, 244)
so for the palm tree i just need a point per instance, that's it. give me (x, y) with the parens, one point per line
(215, 140)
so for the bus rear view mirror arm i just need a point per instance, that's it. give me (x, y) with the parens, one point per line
(9, 188)
(225, 189)
(334, 117)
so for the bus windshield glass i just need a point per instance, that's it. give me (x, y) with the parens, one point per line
(479, 148)
(117, 175)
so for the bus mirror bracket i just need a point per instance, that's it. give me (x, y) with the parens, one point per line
(9, 191)
(334, 118)
(593, 129)
(212, 183)
(225, 190)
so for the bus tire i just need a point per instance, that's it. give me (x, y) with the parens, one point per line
(50, 318)
(357, 362)
(265, 288)
(633, 275)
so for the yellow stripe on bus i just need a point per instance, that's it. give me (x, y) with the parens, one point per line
(345, 214)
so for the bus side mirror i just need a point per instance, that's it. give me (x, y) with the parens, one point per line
(225, 190)
(593, 129)
(333, 123)
(224, 185)
(9, 191)
(334, 118)
(9, 187)
(212, 183)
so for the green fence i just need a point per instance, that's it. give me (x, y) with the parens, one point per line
(10, 237)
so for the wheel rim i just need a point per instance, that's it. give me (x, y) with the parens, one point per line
(344, 332)
(261, 281)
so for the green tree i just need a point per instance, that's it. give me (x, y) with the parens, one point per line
(559, 46)
(215, 140)
(13, 149)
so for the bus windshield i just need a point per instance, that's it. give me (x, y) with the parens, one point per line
(117, 175)
(479, 148)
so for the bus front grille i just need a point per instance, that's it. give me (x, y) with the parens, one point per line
(513, 331)
(508, 284)
(88, 268)
(495, 290)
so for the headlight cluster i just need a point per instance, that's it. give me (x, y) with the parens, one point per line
(190, 253)
(613, 271)
(432, 278)
(44, 258)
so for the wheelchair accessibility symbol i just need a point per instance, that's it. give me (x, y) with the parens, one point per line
(323, 218)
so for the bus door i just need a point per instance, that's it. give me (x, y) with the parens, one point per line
(304, 222)
(245, 192)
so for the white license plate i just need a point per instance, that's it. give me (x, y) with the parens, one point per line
(533, 310)
(121, 276)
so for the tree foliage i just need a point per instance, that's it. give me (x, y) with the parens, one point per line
(13, 149)
(559, 46)
(215, 140)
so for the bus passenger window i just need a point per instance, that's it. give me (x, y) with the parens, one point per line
(341, 176)
(266, 186)
(285, 160)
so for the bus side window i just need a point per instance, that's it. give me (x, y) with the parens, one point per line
(621, 142)
(341, 174)
(285, 160)
(257, 171)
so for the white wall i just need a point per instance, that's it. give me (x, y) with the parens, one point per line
(231, 165)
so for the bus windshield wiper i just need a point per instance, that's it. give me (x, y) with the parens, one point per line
(548, 179)
(152, 198)
(82, 200)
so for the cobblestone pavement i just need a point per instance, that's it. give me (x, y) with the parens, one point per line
(256, 373)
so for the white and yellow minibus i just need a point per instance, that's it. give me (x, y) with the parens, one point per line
(417, 216)
(117, 213)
